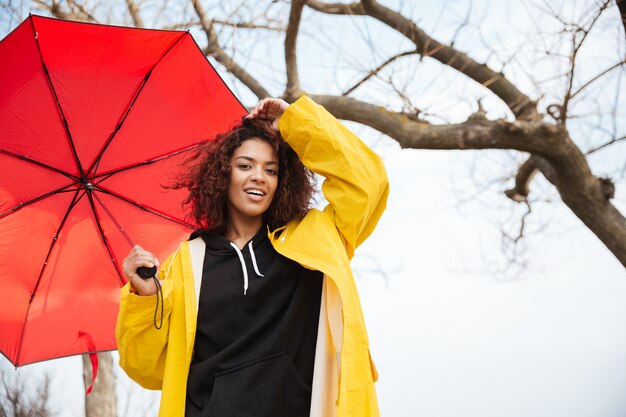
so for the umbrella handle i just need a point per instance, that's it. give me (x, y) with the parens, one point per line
(146, 273)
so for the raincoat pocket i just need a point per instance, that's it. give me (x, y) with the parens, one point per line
(269, 386)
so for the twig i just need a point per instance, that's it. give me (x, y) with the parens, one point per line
(377, 70)
(218, 53)
(575, 49)
(291, 64)
(606, 71)
(239, 25)
(611, 142)
(133, 10)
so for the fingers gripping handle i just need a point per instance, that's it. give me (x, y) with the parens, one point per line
(146, 273)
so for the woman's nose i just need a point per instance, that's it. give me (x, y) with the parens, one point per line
(258, 174)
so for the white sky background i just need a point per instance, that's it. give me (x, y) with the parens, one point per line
(453, 332)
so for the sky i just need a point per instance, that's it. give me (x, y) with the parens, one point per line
(454, 331)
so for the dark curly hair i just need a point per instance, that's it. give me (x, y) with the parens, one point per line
(209, 174)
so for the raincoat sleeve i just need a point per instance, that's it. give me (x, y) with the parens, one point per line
(355, 185)
(143, 347)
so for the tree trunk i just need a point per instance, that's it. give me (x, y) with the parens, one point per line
(101, 402)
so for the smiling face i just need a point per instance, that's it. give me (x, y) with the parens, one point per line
(253, 180)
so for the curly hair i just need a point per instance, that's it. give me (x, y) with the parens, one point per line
(208, 179)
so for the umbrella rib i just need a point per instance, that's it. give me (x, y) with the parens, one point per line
(56, 99)
(41, 164)
(94, 165)
(36, 199)
(104, 238)
(73, 203)
(144, 208)
(108, 174)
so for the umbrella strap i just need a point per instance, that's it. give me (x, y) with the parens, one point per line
(156, 310)
(93, 357)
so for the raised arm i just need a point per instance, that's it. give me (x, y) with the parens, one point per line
(356, 184)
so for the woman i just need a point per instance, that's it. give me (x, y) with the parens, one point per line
(261, 312)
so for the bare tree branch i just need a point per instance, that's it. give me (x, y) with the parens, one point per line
(522, 106)
(56, 10)
(520, 234)
(354, 8)
(532, 137)
(21, 396)
(377, 70)
(525, 174)
(133, 10)
(523, 178)
(407, 105)
(218, 53)
(82, 10)
(576, 45)
(463, 24)
(239, 25)
(604, 145)
(585, 194)
(293, 83)
(606, 71)
(559, 112)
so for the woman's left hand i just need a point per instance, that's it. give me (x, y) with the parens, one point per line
(269, 109)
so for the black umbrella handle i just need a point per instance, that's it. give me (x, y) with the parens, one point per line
(146, 273)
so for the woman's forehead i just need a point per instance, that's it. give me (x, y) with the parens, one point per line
(256, 149)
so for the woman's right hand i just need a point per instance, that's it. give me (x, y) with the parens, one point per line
(136, 258)
(269, 109)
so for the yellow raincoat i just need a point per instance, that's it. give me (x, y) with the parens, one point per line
(356, 188)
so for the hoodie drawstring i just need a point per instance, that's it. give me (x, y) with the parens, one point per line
(256, 268)
(243, 265)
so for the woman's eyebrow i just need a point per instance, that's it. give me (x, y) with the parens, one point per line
(249, 158)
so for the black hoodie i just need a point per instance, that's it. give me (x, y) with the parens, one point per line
(254, 348)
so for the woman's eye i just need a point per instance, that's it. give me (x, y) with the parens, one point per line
(244, 166)
(271, 171)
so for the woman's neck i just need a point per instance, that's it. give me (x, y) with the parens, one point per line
(241, 231)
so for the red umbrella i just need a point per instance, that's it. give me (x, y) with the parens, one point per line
(94, 121)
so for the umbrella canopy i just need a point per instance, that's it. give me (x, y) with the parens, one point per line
(94, 121)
